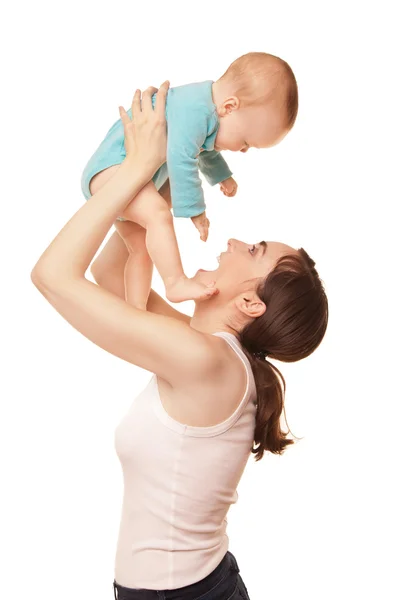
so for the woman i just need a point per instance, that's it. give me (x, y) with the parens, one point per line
(213, 399)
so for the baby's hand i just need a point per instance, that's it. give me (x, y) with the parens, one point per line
(228, 187)
(202, 224)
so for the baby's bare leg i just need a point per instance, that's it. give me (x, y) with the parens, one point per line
(108, 268)
(150, 210)
(137, 267)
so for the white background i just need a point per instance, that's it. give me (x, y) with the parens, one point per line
(321, 521)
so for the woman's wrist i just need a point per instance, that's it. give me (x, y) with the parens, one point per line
(137, 171)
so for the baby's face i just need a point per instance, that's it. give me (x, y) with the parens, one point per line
(252, 127)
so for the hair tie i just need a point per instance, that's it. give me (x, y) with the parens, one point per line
(260, 355)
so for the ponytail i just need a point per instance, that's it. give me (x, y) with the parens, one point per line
(271, 387)
(291, 328)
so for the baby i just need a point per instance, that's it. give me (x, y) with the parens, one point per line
(253, 105)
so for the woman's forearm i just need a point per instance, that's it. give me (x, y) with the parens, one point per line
(71, 252)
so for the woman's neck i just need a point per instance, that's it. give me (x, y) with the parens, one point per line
(208, 319)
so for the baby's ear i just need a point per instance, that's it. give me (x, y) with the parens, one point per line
(228, 106)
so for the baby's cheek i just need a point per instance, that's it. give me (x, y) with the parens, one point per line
(237, 144)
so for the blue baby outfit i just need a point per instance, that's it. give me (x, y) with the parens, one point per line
(193, 123)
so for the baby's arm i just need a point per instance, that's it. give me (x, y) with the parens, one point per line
(187, 130)
(216, 170)
(214, 167)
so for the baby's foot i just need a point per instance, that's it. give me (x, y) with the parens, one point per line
(186, 289)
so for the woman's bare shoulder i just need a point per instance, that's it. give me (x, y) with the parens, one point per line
(211, 397)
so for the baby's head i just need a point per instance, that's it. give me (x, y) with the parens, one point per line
(257, 101)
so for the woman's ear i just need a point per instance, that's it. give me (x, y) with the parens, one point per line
(250, 304)
(228, 106)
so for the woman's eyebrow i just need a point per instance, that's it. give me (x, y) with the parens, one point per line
(264, 247)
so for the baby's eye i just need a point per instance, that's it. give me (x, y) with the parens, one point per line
(252, 249)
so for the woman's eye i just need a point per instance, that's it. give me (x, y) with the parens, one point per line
(252, 249)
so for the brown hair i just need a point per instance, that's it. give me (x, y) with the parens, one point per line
(291, 328)
(258, 76)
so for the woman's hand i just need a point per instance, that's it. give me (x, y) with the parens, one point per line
(146, 133)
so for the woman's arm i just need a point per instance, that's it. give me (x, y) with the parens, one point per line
(157, 305)
(161, 344)
(73, 249)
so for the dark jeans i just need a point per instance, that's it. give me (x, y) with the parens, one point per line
(224, 583)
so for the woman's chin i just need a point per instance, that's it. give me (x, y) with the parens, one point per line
(204, 276)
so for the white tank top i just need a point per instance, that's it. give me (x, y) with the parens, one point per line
(179, 482)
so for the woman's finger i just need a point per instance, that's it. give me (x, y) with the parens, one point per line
(146, 98)
(161, 99)
(136, 109)
(124, 116)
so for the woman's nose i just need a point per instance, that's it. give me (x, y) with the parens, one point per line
(233, 244)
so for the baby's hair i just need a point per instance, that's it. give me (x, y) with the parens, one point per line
(258, 77)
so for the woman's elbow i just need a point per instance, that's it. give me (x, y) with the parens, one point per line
(42, 277)
(38, 277)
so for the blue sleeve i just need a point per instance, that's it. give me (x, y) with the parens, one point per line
(187, 131)
(214, 167)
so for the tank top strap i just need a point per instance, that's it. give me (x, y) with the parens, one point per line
(236, 347)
